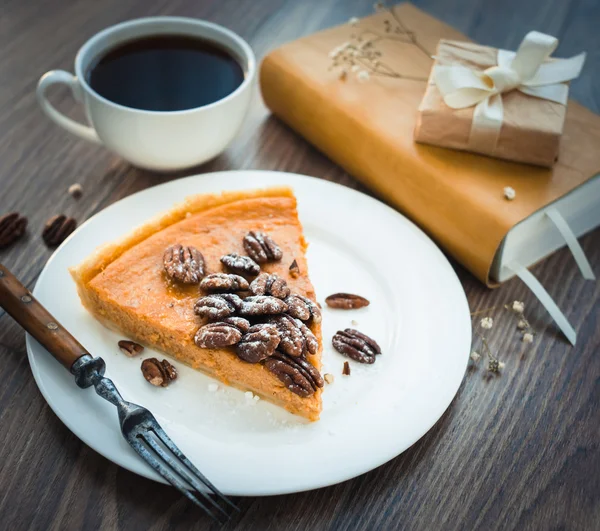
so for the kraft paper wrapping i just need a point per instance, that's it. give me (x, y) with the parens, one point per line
(531, 129)
(367, 128)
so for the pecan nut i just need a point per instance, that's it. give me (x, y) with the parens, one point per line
(296, 338)
(218, 306)
(242, 265)
(224, 282)
(184, 263)
(222, 333)
(298, 375)
(346, 301)
(303, 308)
(12, 228)
(258, 343)
(266, 284)
(261, 247)
(158, 373)
(262, 305)
(130, 348)
(356, 346)
(57, 229)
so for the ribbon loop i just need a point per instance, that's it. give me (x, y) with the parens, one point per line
(530, 70)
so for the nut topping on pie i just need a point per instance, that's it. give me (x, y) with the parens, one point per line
(218, 306)
(224, 282)
(258, 343)
(303, 308)
(262, 305)
(299, 376)
(242, 265)
(355, 345)
(266, 284)
(261, 247)
(221, 334)
(184, 264)
(294, 269)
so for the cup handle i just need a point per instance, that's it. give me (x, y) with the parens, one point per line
(60, 76)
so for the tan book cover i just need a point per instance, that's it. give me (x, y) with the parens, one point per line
(367, 128)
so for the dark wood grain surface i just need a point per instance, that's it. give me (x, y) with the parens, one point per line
(519, 451)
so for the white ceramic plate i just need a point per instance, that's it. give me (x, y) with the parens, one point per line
(418, 314)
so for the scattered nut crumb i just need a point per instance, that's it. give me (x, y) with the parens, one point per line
(509, 193)
(346, 370)
(188, 214)
(294, 270)
(171, 305)
(475, 356)
(213, 387)
(354, 322)
(130, 348)
(76, 190)
(249, 395)
(528, 337)
(328, 378)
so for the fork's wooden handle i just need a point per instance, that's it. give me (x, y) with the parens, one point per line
(35, 319)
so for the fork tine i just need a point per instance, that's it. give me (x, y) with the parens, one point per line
(164, 438)
(171, 478)
(179, 469)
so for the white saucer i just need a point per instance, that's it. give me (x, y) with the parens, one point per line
(418, 314)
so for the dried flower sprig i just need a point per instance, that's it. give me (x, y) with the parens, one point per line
(360, 55)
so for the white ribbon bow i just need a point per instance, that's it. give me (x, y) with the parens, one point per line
(526, 70)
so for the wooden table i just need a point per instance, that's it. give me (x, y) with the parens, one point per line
(519, 451)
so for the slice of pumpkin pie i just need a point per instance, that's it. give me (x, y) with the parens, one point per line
(220, 283)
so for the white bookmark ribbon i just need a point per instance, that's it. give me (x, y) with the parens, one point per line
(575, 248)
(528, 70)
(544, 297)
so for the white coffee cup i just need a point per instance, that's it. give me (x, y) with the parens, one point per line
(153, 139)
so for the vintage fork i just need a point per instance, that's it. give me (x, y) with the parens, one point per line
(138, 425)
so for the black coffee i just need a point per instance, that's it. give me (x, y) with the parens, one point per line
(165, 73)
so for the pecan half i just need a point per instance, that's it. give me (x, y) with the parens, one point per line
(296, 338)
(298, 375)
(294, 270)
(184, 263)
(242, 265)
(261, 247)
(266, 284)
(346, 301)
(130, 348)
(217, 306)
(258, 343)
(57, 229)
(303, 308)
(224, 282)
(222, 333)
(12, 228)
(158, 373)
(355, 345)
(262, 305)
